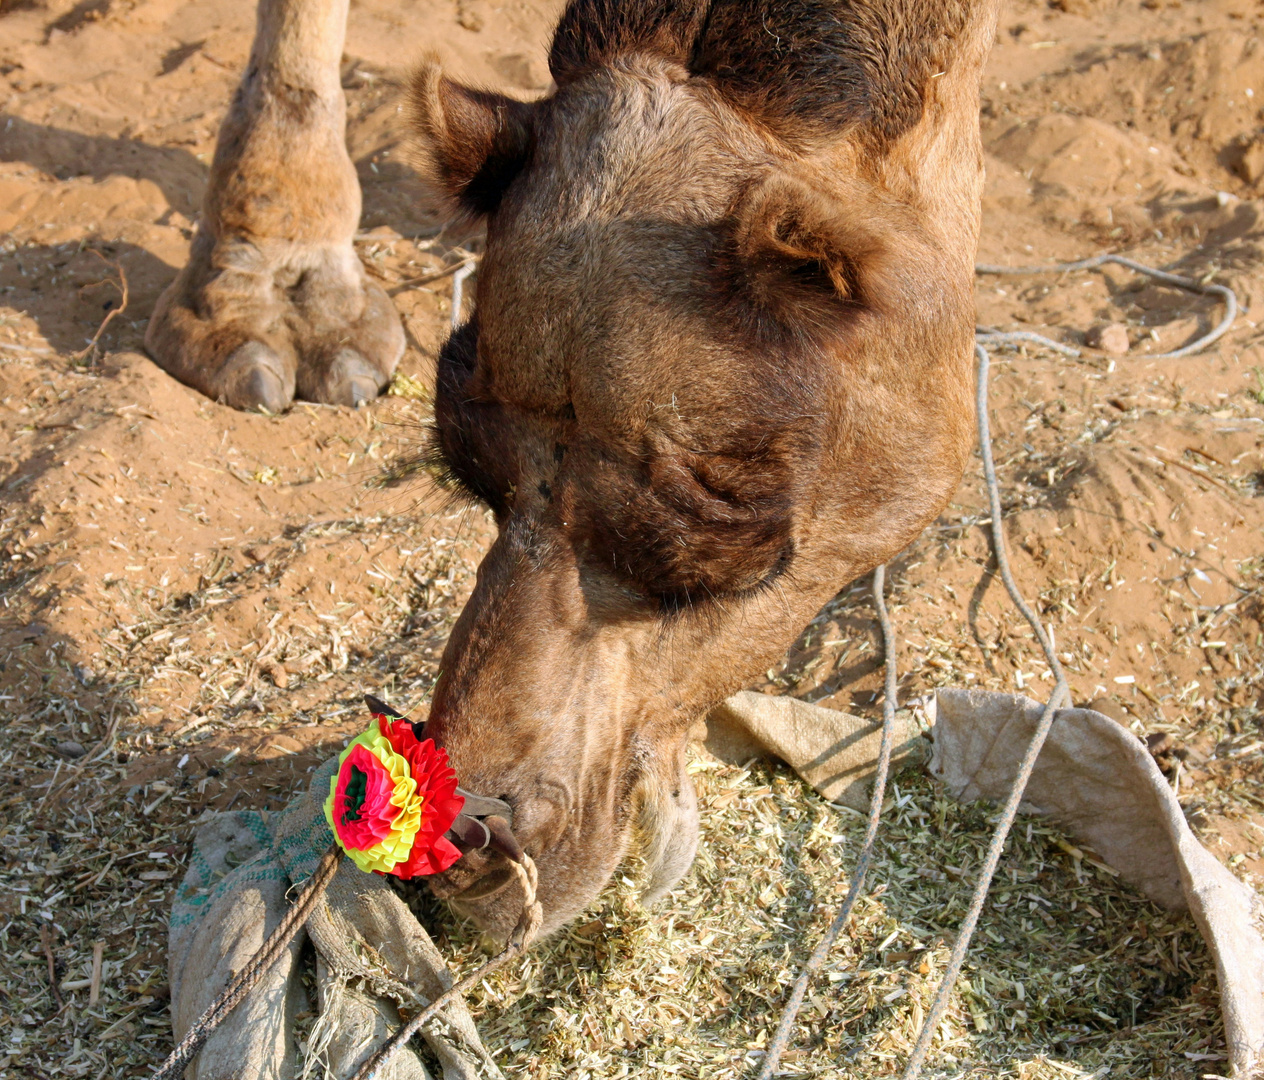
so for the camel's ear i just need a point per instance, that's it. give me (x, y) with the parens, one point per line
(473, 142)
(792, 238)
(801, 250)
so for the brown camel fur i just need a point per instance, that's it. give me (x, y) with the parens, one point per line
(719, 366)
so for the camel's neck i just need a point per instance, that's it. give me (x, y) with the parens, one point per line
(299, 42)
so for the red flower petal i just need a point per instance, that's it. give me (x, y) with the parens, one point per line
(436, 783)
(399, 733)
(374, 815)
(428, 859)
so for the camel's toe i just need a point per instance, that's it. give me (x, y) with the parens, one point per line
(353, 380)
(254, 378)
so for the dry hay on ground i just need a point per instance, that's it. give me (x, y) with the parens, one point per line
(1071, 974)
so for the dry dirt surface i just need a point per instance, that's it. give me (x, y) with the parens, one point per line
(193, 599)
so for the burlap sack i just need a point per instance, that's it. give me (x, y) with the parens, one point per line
(833, 751)
(372, 957)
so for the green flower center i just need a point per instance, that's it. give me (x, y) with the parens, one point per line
(355, 793)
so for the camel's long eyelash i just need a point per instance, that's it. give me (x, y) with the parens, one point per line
(456, 478)
(456, 436)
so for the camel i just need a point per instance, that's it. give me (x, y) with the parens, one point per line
(719, 364)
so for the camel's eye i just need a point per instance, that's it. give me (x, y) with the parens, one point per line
(687, 524)
(467, 438)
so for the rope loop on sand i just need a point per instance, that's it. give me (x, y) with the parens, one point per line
(1226, 294)
(1060, 698)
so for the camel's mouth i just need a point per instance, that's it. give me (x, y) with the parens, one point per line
(492, 900)
(478, 878)
(482, 888)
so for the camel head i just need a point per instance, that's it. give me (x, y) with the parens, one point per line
(719, 366)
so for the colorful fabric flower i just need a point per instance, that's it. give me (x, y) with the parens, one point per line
(392, 799)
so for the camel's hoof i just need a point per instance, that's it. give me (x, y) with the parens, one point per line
(254, 378)
(353, 380)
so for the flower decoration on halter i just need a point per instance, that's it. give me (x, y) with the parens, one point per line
(393, 798)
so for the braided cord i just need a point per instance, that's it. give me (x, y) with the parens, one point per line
(246, 979)
(524, 933)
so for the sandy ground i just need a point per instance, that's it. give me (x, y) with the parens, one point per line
(194, 598)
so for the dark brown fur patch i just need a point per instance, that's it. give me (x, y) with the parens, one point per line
(685, 526)
(805, 67)
(478, 445)
(814, 66)
(594, 33)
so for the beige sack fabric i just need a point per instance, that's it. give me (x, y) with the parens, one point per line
(1096, 779)
(833, 751)
(372, 958)
(231, 925)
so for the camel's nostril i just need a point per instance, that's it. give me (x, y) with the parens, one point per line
(502, 837)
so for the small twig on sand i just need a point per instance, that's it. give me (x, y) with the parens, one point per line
(121, 285)
(426, 279)
(94, 755)
(51, 785)
(46, 939)
(1190, 469)
(94, 991)
(218, 62)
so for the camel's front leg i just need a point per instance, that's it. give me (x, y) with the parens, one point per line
(274, 303)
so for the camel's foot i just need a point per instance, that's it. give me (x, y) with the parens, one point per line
(257, 329)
